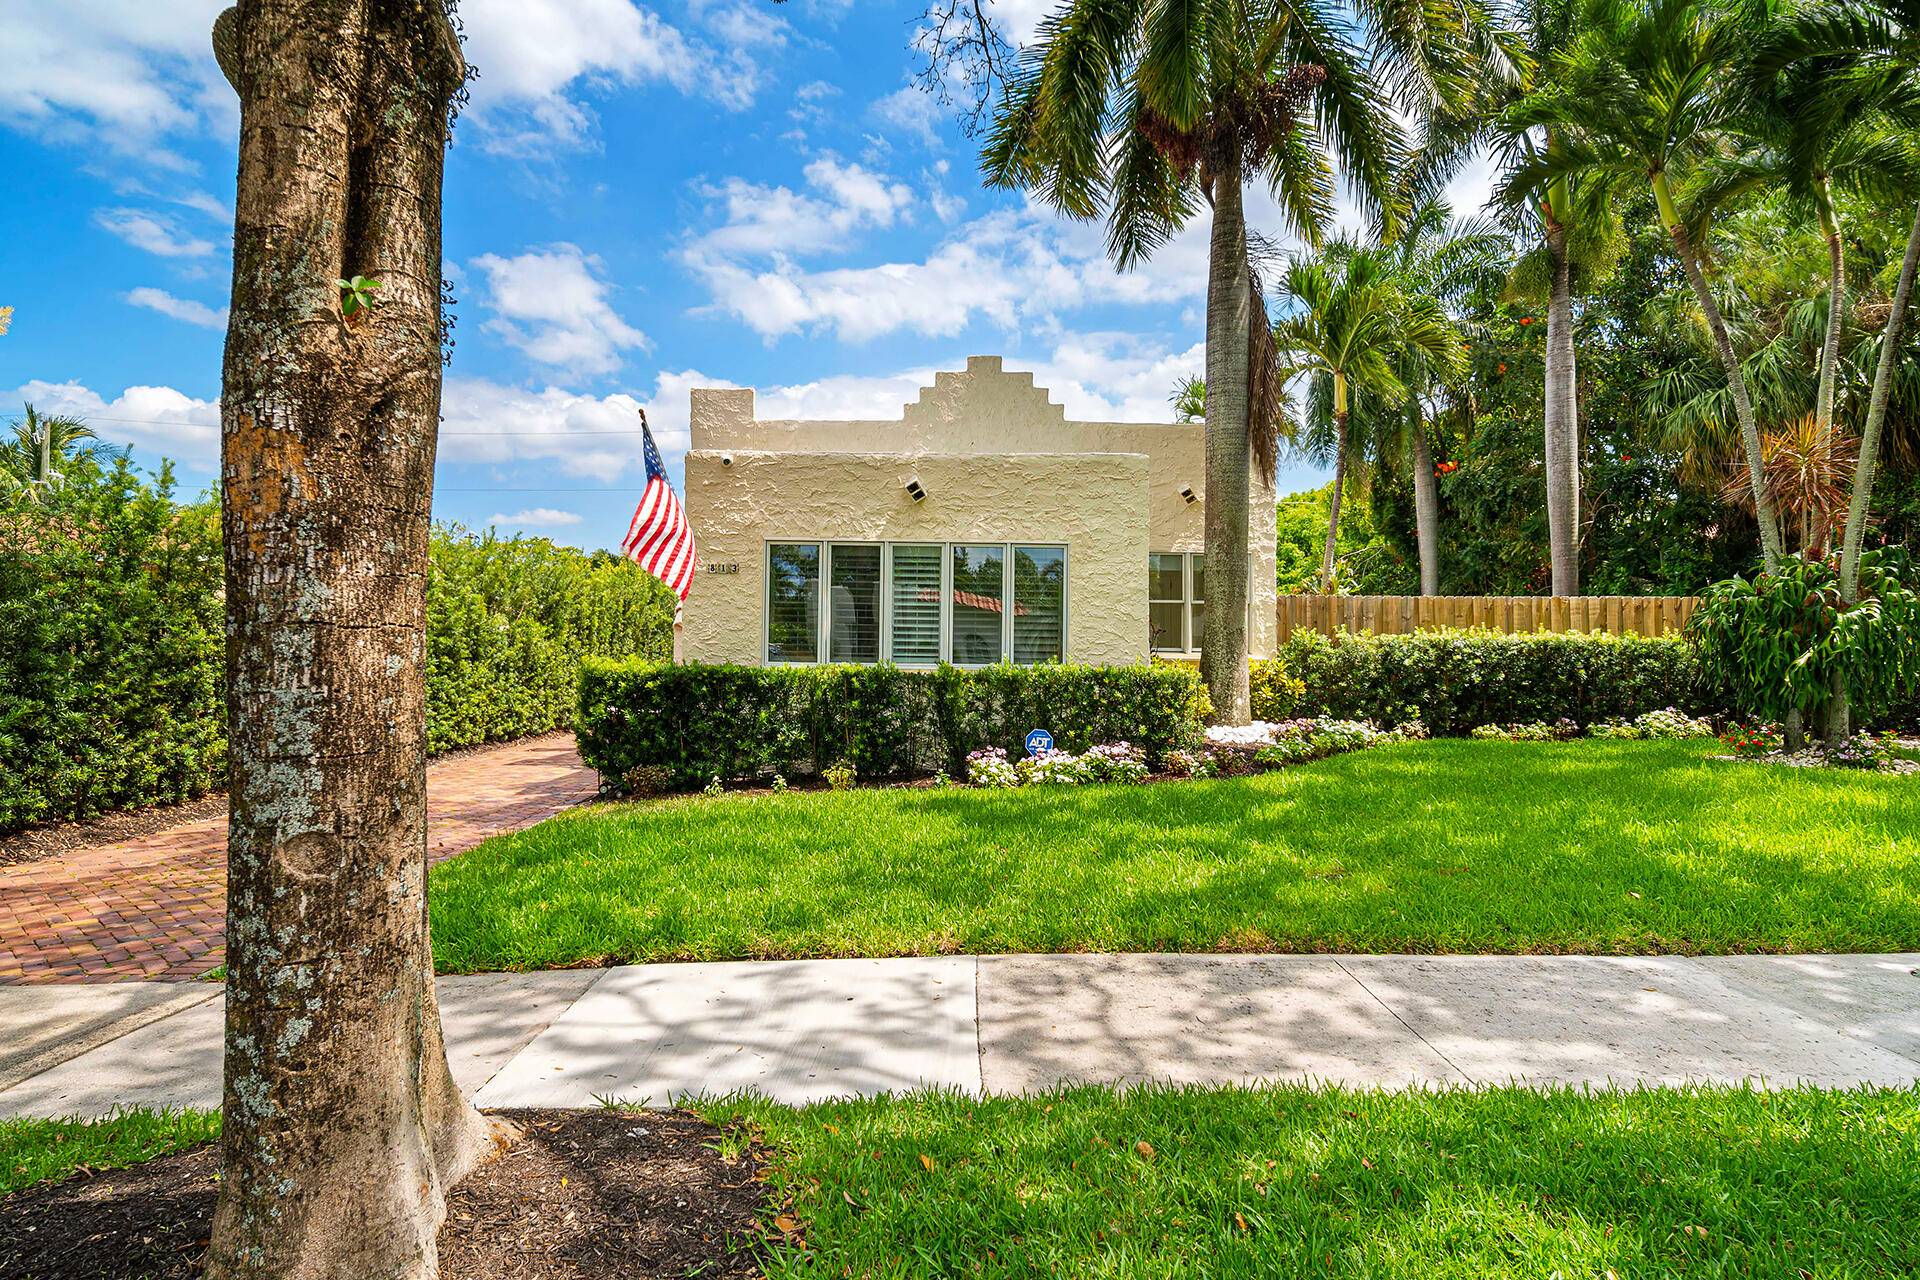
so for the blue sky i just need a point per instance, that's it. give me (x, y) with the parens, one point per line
(640, 199)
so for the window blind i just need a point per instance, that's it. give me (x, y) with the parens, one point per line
(915, 593)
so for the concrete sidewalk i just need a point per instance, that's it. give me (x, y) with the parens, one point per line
(803, 1030)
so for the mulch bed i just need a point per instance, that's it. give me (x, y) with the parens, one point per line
(584, 1195)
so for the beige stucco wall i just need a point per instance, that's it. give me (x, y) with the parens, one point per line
(1010, 466)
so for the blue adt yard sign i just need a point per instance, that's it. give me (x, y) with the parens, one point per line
(1039, 740)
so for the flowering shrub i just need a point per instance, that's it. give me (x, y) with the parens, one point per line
(1862, 751)
(989, 767)
(1750, 740)
(1561, 730)
(1656, 725)
(1108, 762)
(1192, 764)
(839, 775)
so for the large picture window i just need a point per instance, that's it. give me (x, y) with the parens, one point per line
(1176, 601)
(853, 627)
(916, 604)
(979, 595)
(793, 602)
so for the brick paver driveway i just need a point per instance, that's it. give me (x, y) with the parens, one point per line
(155, 906)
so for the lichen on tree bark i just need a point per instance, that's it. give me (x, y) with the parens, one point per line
(343, 1126)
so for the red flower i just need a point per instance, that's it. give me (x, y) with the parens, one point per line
(1526, 319)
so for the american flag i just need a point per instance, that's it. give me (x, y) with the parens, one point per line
(659, 540)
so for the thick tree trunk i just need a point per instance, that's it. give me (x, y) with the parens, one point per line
(1839, 719)
(1327, 553)
(1426, 511)
(342, 1123)
(1223, 651)
(1736, 380)
(1562, 423)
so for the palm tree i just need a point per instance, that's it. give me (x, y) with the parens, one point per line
(1353, 330)
(1570, 222)
(1809, 132)
(41, 445)
(1645, 93)
(1189, 399)
(1433, 257)
(1862, 51)
(1141, 110)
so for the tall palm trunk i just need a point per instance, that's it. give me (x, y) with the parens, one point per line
(342, 1124)
(1836, 308)
(1223, 651)
(1562, 421)
(1854, 538)
(1736, 380)
(1426, 510)
(1339, 479)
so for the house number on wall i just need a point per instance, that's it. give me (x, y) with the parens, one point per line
(731, 566)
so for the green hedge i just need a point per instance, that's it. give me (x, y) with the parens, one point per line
(694, 722)
(1457, 680)
(111, 679)
(110, 670)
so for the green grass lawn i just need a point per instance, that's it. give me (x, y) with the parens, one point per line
(1300, 1182)
(1443, 846)
(1293, 1181)
(42, 1150)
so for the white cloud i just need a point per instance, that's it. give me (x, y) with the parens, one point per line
(185, 309)
(592, 437)
(552, 304)
(118, 73)
(756, 220)
(158, 421)
(913, 111)
(946, 206)
(536, 518)
(1019, 20)
(1097, 377)
(1012, 268)
(1006, 267)
(154, 232)
(535, 58)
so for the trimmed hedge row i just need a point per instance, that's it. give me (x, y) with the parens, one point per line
(111, 670)
(683, 725)
(1455, 681)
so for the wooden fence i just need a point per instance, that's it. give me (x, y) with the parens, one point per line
(1397, 615)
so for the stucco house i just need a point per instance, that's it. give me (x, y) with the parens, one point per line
(980, 525)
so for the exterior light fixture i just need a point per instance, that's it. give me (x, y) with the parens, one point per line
(1186, 491)
(915, 489)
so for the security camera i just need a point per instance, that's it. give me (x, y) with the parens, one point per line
(1186, 491)
(915, 490)
(726, 459)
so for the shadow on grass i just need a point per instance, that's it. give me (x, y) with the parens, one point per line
(1608, 847)
(1299, 1182)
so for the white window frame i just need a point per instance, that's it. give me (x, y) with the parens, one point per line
(766, 601)
(1186, 601)
(822, 637)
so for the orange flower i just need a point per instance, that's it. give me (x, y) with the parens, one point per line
(1526, 319)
